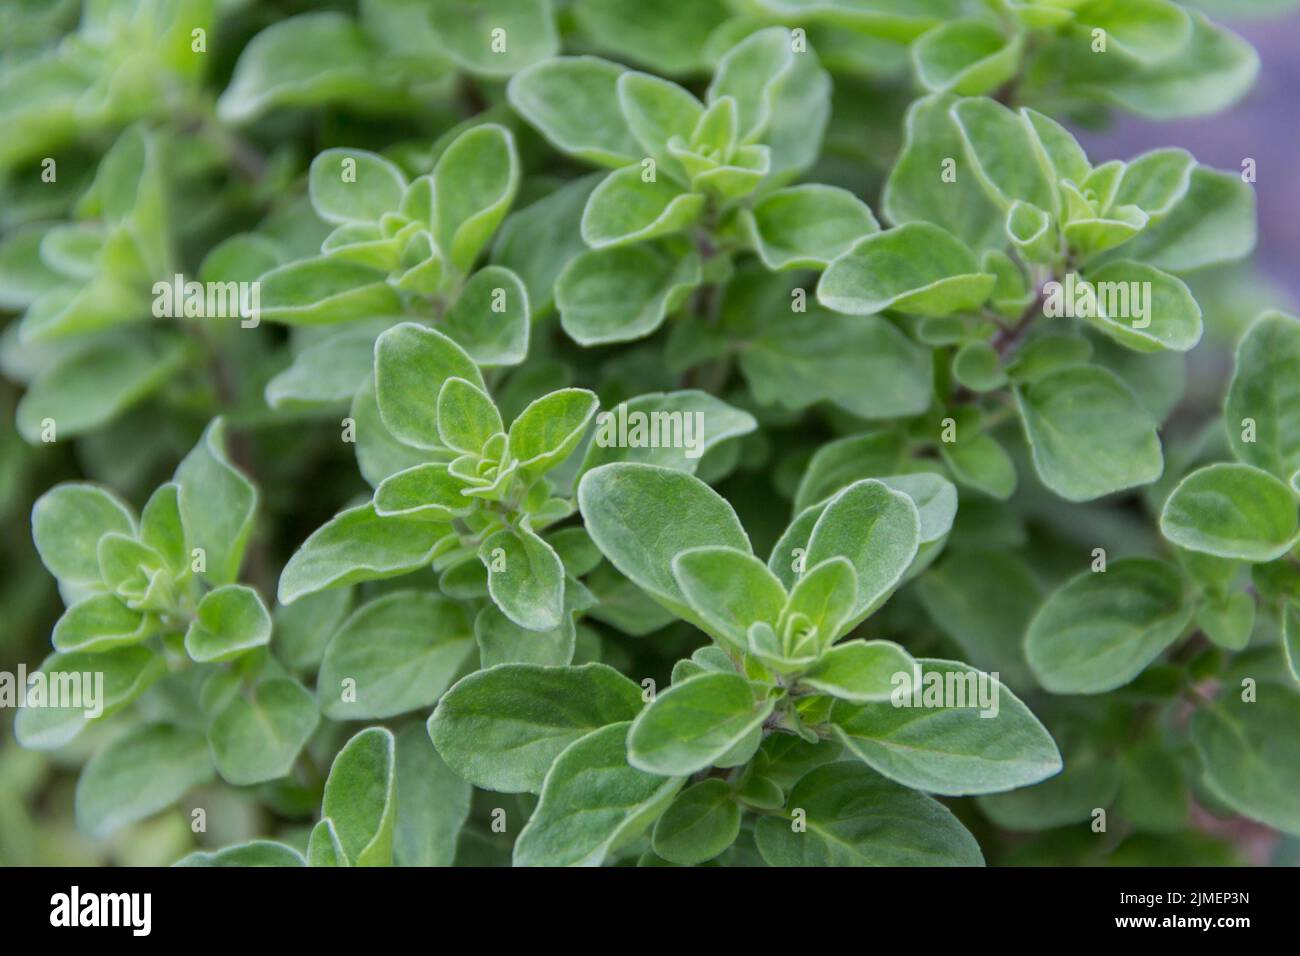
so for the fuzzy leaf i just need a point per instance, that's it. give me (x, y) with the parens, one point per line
(360, 797)
(1100, 630)
(1089, 433)
(1233, 511)
(394, 654)
(855, 817)
(941, 747)
(501, 728)
(642, 516)
(592, 803)
(917, 268)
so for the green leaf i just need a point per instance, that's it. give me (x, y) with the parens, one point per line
(491, 319)
(801, 109)
(475, 182)
(394, 654)
(1230, 622)
(217, 505)
(1214, 222)
(1156, 181)
(253, 853)
(467, 418)
(360, 797)
(24, 276)
(625, 208)
(467, 33)
(877, 529)
(623, 293)
(67, 523)
(359, 545)
(432, 803)
(258, 736)
(656, 110)
(1056, 145)
(525, 578)
(100, 623)
(1090, 779)
(1211, 72)
(411, 364)
(305, 60)
(665, 36)
(751, 72)
(1101, 629)
(854, 817)
(642, 516)
(428, 492)
(1263, 402)
(806, 227)
(325, 290)
(327, 372)
(1233, 511)
(917, 190)
(978, 367)
(324, 848)
(228, 622)
(93, 385)
(978, 461)
(354, 185)
(859, 671)
(1249, 761)
(692, 423)
(821, 601)
(502, 641)
(140, 772)
(917, 268)
(1171, 319)
(967, 57)
(127, 672)
(573, 102)
(303, 629)
(550, 428)
(501, 728)
(729, 590)
(862, 364)
(379, 453)
(1291, 639)
(1000, 146)
(701, 822)
(128, 567)
(1150, 30)
(946, 744)
(695, 724)
(1089, 433)
(592, 804)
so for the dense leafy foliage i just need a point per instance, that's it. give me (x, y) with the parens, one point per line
(640, 432)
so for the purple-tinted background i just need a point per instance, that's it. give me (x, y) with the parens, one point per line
(1264, 127)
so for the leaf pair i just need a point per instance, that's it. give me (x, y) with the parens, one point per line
(644, 518)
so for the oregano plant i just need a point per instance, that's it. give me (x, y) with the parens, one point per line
(640, 432)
